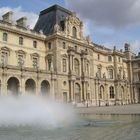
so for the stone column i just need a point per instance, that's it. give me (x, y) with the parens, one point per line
(4, 82)
(71, 90)
(106, 94)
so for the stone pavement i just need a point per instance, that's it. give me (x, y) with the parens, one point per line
(122, 110)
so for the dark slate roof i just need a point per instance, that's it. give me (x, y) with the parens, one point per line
(101, 47)
(49, 17)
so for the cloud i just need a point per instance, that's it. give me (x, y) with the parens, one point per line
(111, 13)
(136, 46)
(18, 13)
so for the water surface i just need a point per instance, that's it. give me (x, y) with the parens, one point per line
(88, 127)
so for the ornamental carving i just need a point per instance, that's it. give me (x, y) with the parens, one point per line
(72, 19)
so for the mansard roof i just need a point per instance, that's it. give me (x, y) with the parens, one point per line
(49, 17)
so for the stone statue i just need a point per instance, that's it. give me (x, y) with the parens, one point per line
(56, 28)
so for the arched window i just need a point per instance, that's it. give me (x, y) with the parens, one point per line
(20, 40)
(5, 36)
(74, 32)
(110, 73)
(109, 58)
(111, 91)
(76, 66)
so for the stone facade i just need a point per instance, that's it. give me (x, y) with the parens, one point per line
(62, 64)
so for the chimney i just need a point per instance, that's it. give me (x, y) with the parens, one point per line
(22, 22)
(127, 47)
(8, 17)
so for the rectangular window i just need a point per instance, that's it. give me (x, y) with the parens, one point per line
(119, 59)
(65, 97)
(34, 44)
(35, 62)
(99, 72)
(5, 37)
(20, 40)
(64, 45)
(110, 74)
(4, 58)
(20, 60)
(64, 65)
(49, 45)
(98, 57)
(49, 64)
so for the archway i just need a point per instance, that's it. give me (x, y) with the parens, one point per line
(13, 86)
(30, 86)
(77, 93)
(45, 88)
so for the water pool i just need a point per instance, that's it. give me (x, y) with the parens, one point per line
(88, 127)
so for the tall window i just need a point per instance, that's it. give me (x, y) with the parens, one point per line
(99, 72)
(65, 97)
(64, 45)
(120, 73)
(74, 32)
(49, 45)
(119, 59)
(35, 62)
(111, 91)
(62, 25)
(109, 58)
(4, 58)
(75, 48)
(5, 36)
(20, 60)
(76, 66)
(88, 68)
(20, 40)
(49, 64)
(35, 44)
(110, 74)
(98, 57)
(64, 65)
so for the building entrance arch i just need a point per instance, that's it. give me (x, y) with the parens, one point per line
(13, 86)
(45, 88)
(30, 86)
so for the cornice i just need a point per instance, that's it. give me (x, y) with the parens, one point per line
(20, 31)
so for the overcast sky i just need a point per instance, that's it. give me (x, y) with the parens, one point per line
(108, 22)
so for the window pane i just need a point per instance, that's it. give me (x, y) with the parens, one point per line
(5, 36)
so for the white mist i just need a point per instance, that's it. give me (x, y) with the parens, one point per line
(34, 111)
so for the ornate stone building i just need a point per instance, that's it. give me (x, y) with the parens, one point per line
(56, 60)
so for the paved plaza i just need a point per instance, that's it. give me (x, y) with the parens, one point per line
(123, 110)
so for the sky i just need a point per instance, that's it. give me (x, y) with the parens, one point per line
(107, 22)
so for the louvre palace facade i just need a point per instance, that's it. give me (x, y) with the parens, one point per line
(55, 60)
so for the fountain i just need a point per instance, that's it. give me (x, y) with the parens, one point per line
(35, 118)
(34, 110)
